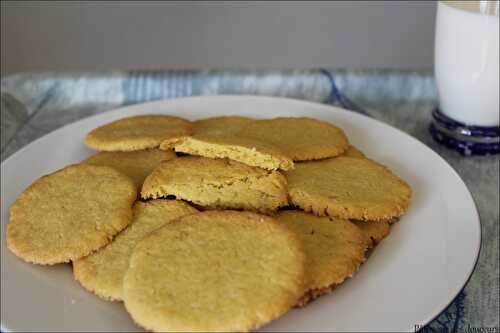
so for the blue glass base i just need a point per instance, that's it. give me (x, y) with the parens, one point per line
(467, 140)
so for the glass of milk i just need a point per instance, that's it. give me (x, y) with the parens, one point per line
(467, 76)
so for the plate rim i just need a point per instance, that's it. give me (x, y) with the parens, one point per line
(127, 107)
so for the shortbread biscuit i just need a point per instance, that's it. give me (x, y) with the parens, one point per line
(136, 133)
(250, 151)
(353, 152)
(300, 138)
(214, 271)
(374, 231)
(220, 125)
(135, 164)
(349, 188)
(217, 183)
(334, 248)
(102, 272)
(70, 213)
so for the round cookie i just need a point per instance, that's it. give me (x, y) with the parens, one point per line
(350, 188)
(136, 133)
(353, 152)
(102, 272)
(374, 231)
(70, 213)
(300, 138)
(135, 164)
(217, 183)
(334, 248)
(220, 125)
(214, 271)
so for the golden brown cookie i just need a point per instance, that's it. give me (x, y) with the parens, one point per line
(214, 271)
(70, 213)
(334, 248)
(217, 183)
(220, 125)
(250, 151)
(135, 164)
(300, 138)
(374, 231)
(349, 188)
(136, 133)
(353, 152)
(102, 272)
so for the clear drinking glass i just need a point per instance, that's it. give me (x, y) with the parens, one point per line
(467, 76)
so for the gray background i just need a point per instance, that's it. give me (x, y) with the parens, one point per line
(38, 36)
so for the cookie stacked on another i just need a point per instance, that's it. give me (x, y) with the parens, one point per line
(103, 271)
(350, 188)
(217, 184)
(137, 133)
(220, 271)
(334, 248)
(137, 164)
(70, 213)
(270, 144)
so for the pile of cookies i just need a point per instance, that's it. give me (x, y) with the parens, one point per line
(221, 224)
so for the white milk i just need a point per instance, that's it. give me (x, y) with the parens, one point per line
(466, 61)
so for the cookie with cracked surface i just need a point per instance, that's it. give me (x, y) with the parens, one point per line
(350, 188)
(70, 213)
(334, 248)
(136, 133)
(250, 151)
(220, 125)
(102, 272)
(135, 164)
(374, 231)
(217, 183)
(214, 271)
(300, 138)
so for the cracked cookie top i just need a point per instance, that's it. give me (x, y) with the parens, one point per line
(217, 183)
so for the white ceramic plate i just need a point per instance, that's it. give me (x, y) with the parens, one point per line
(408, 280)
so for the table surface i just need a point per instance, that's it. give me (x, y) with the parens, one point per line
(34, 104)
